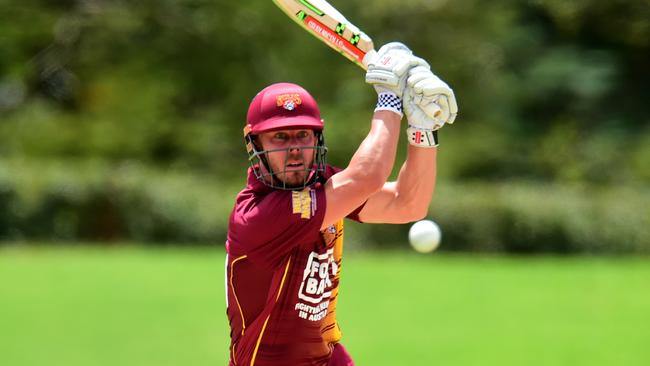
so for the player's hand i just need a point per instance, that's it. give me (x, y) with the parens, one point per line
(432, 95)
(429, 103)
(422, 129)
(388, 71)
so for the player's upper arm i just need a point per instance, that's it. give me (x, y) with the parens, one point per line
(368, 169)
(387, 207)
(346, 191)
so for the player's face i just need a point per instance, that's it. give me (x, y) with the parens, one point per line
(294, 157)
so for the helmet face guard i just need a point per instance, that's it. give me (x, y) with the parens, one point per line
(263, 171)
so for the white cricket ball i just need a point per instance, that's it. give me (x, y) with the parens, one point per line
(424, 236)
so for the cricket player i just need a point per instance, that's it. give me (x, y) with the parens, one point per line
(285, 234)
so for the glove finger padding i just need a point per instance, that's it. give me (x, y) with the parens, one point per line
(433, 110)
(390, 56)
(421, 131)
(448, 105)
(421, 80)
(432, 95)
(420, 62)
(417, 74)
(453, 107)
(387, 72)
(391, 46)
(422, 117)
(431, 85)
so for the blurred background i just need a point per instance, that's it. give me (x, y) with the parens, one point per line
(121, 152)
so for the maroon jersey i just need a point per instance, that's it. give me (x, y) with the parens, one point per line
(282, 276)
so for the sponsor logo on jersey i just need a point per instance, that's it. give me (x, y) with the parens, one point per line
(316, 287)
(304, 203)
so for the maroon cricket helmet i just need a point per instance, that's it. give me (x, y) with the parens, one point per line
(282, 106)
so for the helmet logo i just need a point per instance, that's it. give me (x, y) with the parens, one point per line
(288, 101)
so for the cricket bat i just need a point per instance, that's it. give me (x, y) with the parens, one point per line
(322, 20)
(326, 23)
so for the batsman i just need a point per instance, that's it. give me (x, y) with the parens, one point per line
(285, 233)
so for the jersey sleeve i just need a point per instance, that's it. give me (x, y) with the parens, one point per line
(267, 228)
(354, 215)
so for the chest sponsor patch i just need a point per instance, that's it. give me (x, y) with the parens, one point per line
(316, 287)
(304, 203)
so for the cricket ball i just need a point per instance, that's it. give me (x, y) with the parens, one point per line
(424, 236)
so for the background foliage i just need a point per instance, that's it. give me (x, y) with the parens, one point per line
(122, 119)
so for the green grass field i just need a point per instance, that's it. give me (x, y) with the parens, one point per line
(159, 307)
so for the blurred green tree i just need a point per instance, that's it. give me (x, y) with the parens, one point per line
(549, 90)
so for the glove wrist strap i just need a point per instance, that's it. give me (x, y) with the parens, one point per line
(422, 137)
(389, 102)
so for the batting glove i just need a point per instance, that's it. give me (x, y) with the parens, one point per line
(388, 72)
(422, 130)
(429, 103)
(432, 95)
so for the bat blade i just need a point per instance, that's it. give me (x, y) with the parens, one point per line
(323, 21)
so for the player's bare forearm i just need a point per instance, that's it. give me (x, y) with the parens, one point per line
(376, 154)
(416, 181)
(407, 199)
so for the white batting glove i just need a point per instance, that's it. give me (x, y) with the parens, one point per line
(387, 73)
(422, 129)
(429, 103)
(432, 95)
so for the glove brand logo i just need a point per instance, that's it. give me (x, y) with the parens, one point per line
(288, 101)
(418, 137)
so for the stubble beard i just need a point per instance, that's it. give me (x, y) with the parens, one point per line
(294, 178)
(291, 178)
